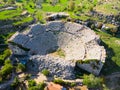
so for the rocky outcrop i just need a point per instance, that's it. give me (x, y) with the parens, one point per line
(56, 16)
(75, 41)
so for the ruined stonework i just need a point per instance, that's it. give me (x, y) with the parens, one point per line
(57, 46)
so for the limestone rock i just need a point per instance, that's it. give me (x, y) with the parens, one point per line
(58, 45)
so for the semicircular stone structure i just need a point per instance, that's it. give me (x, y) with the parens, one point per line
(57, 46)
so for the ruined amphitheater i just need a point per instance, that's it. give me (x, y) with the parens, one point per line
(57, 46)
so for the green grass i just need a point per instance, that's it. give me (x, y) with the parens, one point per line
(30, 6)
(9, 14)
(63, 5)
(24, 20)
(108, 8)
(81, 17)
(50, 8)
(1, 5)
(60, 52)
(112, 63)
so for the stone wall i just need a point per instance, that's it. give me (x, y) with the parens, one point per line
(113, 19)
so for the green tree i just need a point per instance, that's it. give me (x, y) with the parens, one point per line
(91, 81)
(6, 70)
(7, 61)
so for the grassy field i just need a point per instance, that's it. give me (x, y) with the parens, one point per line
(109, 7)
(9, 14)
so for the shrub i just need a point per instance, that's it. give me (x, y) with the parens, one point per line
(31, 83)
(40, 86)
(7, 61)
(91, 81)
(7, 53)
(92, 26)
(6, 70)
(79, 7)
(45, 72)
(72, 84)
(61, 82)
(1, 61)
(87, 61)
(40, 16)
(4, 55)
(33, 88)
(71, 6)
(21, 67)
(15, 82)
(99, 25)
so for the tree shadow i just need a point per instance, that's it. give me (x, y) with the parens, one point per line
(110, 66)
(110, 69)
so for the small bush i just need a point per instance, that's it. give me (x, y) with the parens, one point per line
(91, 81)
(71, 6)
(15, 82)
(7, 53)
(72, 84)
(45, 72)
(99, 25)
(40, 86)
(4, 55)
(6, 70)
(61, 82)
(31, 83)
(21, 67)
(87, 61)
(7, 61)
